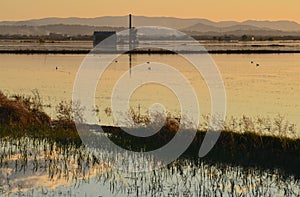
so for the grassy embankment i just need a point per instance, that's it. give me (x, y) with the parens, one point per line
(242, 142)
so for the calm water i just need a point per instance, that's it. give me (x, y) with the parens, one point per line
(31, 167)
(270, 89)
(267, 90)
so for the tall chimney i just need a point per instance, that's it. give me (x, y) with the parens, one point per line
(130, 26)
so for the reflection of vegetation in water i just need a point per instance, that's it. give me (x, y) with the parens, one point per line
(28, 165)
(37, 153)
(44, 163)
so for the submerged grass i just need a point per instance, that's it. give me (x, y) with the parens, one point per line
(30, 158)
(247, 149)
(253, 157)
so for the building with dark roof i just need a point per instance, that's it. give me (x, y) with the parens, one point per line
(99, 36)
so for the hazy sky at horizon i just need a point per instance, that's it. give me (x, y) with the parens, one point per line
(217, 10)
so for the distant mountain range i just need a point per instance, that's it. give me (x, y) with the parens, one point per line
(85, 26)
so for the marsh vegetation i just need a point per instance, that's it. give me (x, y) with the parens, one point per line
(39, 155)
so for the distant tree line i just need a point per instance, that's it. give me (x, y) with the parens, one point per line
(50, 37)
(65, 37)
(244, 38)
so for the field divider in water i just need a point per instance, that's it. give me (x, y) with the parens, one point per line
(146, 51)
(246, 149)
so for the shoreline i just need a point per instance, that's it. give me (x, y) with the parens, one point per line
(149, 52)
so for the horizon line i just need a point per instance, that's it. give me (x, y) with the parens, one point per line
(174, 17)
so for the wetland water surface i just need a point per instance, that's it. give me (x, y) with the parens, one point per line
(33, 167)
(266, 90)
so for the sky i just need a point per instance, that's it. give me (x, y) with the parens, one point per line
(216, 10)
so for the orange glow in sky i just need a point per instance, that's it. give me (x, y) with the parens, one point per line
(217, 10)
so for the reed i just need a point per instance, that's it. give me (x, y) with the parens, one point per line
(253, 156)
